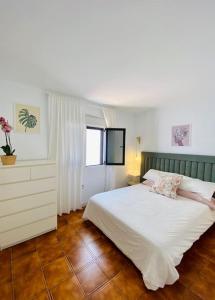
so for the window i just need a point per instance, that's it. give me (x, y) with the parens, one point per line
(114, 139)
(115, 146)
(94, 146)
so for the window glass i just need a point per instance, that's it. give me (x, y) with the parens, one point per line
(94, 146)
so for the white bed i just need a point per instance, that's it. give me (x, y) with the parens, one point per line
(152, 230)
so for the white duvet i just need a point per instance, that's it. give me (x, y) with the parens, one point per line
(152, 230)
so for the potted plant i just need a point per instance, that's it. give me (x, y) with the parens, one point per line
(9, 158)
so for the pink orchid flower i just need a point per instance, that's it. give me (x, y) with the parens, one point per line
(2, 120)
(6, 128)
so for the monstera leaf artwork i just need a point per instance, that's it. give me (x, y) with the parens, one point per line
(26, 119)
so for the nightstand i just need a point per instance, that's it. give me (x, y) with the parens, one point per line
(133, 179)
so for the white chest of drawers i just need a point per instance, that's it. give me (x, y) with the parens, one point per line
(28, 201)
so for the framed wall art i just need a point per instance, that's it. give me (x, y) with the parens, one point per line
(181, 135)
(27, 119)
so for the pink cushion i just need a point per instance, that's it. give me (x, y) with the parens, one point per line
(167, 185)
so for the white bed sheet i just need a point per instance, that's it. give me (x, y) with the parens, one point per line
(152, 230)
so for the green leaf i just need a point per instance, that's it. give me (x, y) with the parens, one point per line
(27, 120)
(32, 121)
(6, 149)
(23, 112)
(22, 119)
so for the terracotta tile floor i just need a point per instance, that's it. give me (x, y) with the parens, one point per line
(78, 262)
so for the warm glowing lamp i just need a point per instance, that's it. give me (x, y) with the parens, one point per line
(134, 170)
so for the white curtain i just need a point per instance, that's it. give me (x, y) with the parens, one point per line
(66, 147)
(110, 117)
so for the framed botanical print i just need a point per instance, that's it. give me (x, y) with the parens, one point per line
(27, 119)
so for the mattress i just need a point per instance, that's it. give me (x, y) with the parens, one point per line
(152, 230)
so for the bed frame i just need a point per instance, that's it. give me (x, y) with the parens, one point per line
(196, 166)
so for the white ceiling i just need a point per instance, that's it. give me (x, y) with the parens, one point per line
(138, 53)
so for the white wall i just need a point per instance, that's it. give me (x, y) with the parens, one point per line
(154, 126)
(28, 146)
(126, 120)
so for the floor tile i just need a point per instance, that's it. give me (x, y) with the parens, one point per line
(57, 271)
(112, 262)
(71, 243)
(152, 295)
(61, 221)
(82, 225)
(207, 241)
(91, 277)
(5, 272)
(209, 254)
(101, 270)
(79, 257)
(50, 254)
(25, 264)
(5, 256)
(28, 287)
(23, 248)
(109, 291)
(202, 286)
(88, 234)
(47, 240)
(130, 284)
(177, 292)
(44, 295)
(66, 232)
(75, 218)
(5, 266)
(6, 291)
(69, 289)
(100, 246)
(209, 269)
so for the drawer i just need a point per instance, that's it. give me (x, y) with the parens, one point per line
(20, 189)
(40, 172)
(17, 205)
(24, 218)
(10, 175)
(27, 232)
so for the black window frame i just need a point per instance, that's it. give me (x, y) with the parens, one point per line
(106, 150)
(101, 145)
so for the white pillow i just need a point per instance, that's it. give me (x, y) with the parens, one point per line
(153, 175)
(203, 188)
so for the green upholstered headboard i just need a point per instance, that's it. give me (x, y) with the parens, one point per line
(196, 166)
